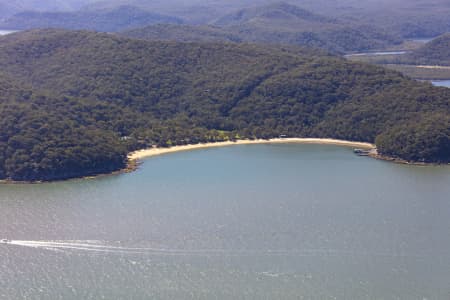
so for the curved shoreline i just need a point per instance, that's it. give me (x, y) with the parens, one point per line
(135, 157)
(145, 153)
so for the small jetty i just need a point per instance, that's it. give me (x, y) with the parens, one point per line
(361, 152)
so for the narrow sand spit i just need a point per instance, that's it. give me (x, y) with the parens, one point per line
(140, 154)
(433, 67)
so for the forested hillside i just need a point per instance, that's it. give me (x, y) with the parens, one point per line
(183, 33)
(43, 137)
(278, 23)
(338, 26)
(407, 18)
(435, 52)
(130, 93)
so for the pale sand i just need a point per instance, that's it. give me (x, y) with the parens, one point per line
(434, 67)
(140, 154)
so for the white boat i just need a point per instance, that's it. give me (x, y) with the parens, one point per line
(5, 241)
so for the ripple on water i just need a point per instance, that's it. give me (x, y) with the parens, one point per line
(255, 221)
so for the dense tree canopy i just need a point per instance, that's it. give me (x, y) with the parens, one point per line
(44, 137)
(79, 100)
(277, 23)
(426, 139)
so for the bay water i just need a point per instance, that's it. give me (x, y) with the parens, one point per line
(280, 221)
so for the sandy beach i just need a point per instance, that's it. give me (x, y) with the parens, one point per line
(141, 154)
(433, 67)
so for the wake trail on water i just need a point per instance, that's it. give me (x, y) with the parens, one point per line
(94, 246)
(110, 247)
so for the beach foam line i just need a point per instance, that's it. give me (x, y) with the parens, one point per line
(144, 153)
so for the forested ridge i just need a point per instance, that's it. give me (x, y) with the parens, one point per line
(277, 23)
(435, 52)
(274, 23)
(74, 102)
(183, 33)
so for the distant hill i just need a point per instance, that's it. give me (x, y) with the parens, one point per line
(182, 33)
(430, 61)
(410, 18)
(406, 18)
(120, 18)
(289, 24)
(339, 26)
(195, 12)
(281, 12)
(435, 52)
(94, 95)
(278, 23)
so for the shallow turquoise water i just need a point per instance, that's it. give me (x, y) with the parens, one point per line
(242, 222)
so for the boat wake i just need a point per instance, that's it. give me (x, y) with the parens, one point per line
(87, 245)
(112, 247)
(116, 248)
(101, 246)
